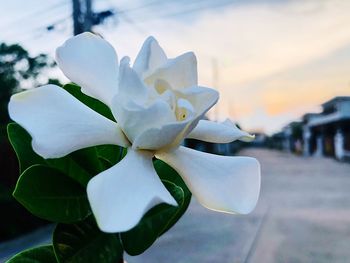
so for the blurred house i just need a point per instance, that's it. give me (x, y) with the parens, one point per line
(309, 141)
(276, 141)
(318, 134)
(292, 139)
(328, 133)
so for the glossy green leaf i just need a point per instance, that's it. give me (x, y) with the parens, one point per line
(42, 254)
(21, 142)
(88, 159)
(71, 169)
(153, 224)
(84, 242)
(80, 165)
(92, 103)
(167, 173)
(48, 193)
(111, 153)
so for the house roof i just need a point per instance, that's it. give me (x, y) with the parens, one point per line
(335, 100)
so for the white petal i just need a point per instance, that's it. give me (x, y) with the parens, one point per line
(130, 85)
(150, 57)
(184, 110)
(180, 72)
(136, 119)
(215, 132)
(221, 183)
(91, 62)
(199, 98)
(121, 195)
(168, 135)
(59, 123)
(202, 99)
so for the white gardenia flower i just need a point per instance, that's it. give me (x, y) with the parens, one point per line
(157, 103)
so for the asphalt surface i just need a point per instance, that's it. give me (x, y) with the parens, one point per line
(303, 215)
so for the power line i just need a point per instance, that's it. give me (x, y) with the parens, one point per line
(124, 13)
(34, 14)
(133, 9)
(38, 30)
(191, 10)
(130, 21)
(217, 5)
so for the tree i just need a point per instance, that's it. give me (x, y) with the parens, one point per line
(16, 68)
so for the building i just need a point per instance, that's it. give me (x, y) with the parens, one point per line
(328, 133)
(309, 142)
(292, 139)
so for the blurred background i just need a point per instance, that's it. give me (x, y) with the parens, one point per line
(282, 68)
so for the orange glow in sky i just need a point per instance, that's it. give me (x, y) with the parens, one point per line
(276, 60)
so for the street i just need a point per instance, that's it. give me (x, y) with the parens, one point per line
(303, 215)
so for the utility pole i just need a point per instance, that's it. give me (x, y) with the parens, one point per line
(82, 16)
(88, 15)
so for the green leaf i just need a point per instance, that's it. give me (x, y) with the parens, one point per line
(88, 159)
(21, 142)
(80, 165)
(42, 254)
(92, 103)
(84, 242)
(71, 169)
(153, 224)
(84, 164)
(166, 172)
(162, 217)
(48, 193)
(110, 153)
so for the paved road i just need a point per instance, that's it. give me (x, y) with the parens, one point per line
(309, 215)
(303, 216)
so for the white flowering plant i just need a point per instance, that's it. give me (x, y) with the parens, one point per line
(103, 158)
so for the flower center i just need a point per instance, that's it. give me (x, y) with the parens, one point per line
(183, 110)
(181, 107)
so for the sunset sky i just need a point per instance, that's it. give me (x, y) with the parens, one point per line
(275, 60)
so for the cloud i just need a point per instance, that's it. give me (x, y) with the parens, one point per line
(263, 51)
(273, 57)
(254, 41)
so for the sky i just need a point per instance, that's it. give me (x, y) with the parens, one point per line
(272, 61)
